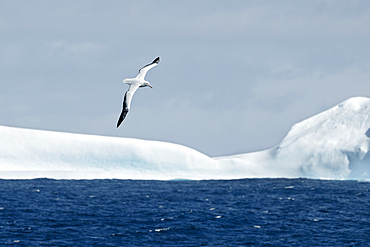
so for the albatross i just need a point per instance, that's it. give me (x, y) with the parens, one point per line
(135, 83)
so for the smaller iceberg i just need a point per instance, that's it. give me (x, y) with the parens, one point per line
(333, 144)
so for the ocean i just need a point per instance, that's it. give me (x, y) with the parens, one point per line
(245, 212)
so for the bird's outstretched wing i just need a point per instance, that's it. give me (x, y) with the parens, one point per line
(123, 113)
(127, 102)
(143, 70)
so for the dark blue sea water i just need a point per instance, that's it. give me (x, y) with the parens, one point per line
(256, 212)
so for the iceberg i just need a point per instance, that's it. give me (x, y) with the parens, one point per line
(333, 144)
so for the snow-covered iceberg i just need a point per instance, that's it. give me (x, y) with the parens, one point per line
(333, 144)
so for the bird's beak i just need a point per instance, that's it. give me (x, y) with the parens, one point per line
(150, 86)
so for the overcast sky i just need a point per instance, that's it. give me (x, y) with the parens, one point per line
(234, 76)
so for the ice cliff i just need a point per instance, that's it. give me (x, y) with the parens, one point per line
(333, 144)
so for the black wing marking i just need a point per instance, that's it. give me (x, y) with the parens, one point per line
(123, 113)
(143, 70)
(155, 61)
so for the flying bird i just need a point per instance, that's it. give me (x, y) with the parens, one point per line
(135, 83)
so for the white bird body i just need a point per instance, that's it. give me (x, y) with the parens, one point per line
(135, 83)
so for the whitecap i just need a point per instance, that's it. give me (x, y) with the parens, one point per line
(162, 229)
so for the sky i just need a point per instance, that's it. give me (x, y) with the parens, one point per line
(234, 76)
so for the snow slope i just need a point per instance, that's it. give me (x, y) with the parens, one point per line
(333, 144)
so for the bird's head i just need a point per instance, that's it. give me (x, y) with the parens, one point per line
(146, 83)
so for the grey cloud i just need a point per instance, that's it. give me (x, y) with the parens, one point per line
(234, 76)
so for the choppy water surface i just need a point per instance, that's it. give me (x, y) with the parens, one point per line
(262, 212)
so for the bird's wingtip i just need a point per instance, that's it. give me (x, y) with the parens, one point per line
(120, 120)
